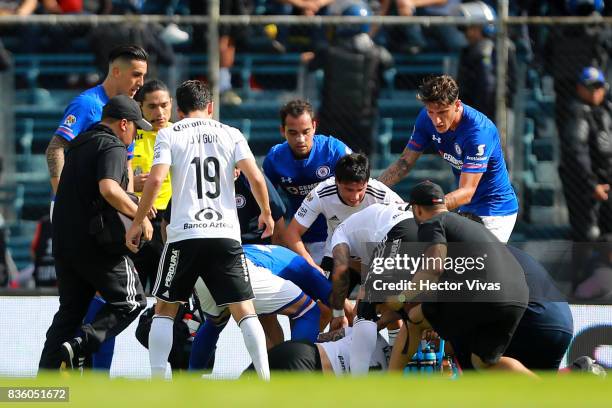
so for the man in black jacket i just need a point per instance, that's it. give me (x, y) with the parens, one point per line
(94, 179)
(586, 158)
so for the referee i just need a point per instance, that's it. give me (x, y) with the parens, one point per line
(95, 175)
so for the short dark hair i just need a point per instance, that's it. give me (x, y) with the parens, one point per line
(295, 108)
(354, 167)
(193, 95)
(150, 86)
(441, 89)
(128, 53)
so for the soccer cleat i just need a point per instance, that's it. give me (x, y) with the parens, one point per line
(72, 354)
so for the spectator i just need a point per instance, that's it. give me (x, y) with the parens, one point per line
(570, 48)
(586, 157)
(353, 67)
(415, 37)
(477, 61)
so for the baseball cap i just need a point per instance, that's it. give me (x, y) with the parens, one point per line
(591, 76)
(427, 193)
(124, 107)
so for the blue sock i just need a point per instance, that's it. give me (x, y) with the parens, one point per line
(102, 359)
(306, 327)
(204, 345)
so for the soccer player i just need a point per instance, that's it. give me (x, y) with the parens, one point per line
(156, 104)
(248, 212)
(300, 163)
(273, 295)
(359, 236)
(288, 265)
(204, 233)
(470, 143)
(326, 356)
(337, 198)
(487, 318)
(127, 67)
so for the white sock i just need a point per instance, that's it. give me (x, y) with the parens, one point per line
(255, 341)
(225, 79)
(392, 336)
(160, 344)
(363, 343)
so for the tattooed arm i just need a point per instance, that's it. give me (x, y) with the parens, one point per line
(333, 335)
(341, 279)
(55, 159)
(400, 168)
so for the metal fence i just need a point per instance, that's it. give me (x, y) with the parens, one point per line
(534, 68)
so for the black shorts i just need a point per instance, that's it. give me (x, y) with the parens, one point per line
(294, 356)
(487, 328)
(220, 262)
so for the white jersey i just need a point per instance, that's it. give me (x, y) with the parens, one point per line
(324, 199)
(202, 154)
(339, 353)
(367, 227)
(272, 293)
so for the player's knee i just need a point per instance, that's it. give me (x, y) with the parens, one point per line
(166, 309)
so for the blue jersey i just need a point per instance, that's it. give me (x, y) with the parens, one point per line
(83, 112)
(288, 265)
(474, 147)
(298, 177)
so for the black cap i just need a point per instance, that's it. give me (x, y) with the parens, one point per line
(427, 193)
(124, 107)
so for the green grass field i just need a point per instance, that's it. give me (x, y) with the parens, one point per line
(318, 391)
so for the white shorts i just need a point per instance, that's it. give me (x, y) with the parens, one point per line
(316, 251)
(272, 293)
(500, 225)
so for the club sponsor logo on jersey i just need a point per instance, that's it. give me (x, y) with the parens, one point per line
(301, 190)
(309, 197)
(208, 214)
(240, 201)
(480, 148)
(70, 120)
(323, 172)
(458, 149)
(453, 161)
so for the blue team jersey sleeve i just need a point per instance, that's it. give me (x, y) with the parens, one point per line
(79, 116)
(268, 168)
(420, 138)
(477, 150)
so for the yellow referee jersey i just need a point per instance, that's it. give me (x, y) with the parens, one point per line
(143, 160)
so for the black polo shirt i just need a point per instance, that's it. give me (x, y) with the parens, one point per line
(95, 155)
(490, 260)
